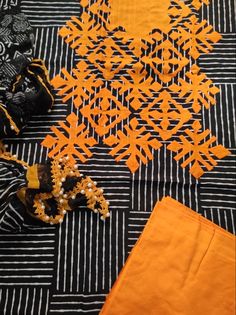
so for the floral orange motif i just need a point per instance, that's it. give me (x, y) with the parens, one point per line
(140, 86)
(199, 151)
(196, 37)
(73, 141)
(169, 64)
(141, 60)
(134, 144)
(165, 113)
(102, 115)
(199, 90)
(80, 85)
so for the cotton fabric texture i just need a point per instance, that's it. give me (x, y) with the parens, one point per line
(182, 264)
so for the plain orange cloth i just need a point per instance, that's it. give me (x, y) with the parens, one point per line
(182, 264)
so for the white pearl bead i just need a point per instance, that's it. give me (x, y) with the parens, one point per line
(82, 191)
(65, 195)
(46, 217)
(95, 183)
(61, 192)
(64, 211)
(95, 198)
(71, 172)
(101, 190)
(107, 202)
(49, 110)
(76, 166)
(81, 175)
(90, 190)
(60, 220)
(73, 197)
(43, 207)
(67, 158)
(61, 200)
(63, 179)
(95, 210)
(108, 215)
(59, 166)
(102, 218)
(51, 223)
(12, 127)
(60, 160)
(90, 185)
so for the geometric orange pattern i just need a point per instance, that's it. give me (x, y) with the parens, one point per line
(144, 64)
(165, 110)
(197, 89)
(101, 115)
(133, 141)
(199, 149)
(196, 37)
(73, 141)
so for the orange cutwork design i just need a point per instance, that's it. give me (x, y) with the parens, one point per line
(196, 37)
(69, 142)
(133, 144)
(81, 85)
(109, 58)
(81, 33)
(199, 90)
(136, 60)
(198, 3)
(140, 86)
(169, 64)
(168, 111)
(199, 151)
(102, 115)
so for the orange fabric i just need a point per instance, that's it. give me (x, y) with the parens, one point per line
(129, 14)
(182, 264)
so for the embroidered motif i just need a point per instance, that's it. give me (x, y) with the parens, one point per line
(198, 151)
(79, 85)
(73, 142)
(199, 90)
(196, 37)
(159, 117)
(139, 87)
(134, 144)
(102, 114)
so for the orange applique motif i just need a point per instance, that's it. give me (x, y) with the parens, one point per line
(81, 33)
(199, 90)
(73, 141)
(161, 116)
(138, 62)
(169, 64)
(140, 86)
(198, 3)
(199, 151)
(134, 144)
(102, 115)
(196, 37)
(80, 85)
(177, 11)
(109, 58)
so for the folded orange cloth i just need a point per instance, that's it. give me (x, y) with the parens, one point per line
(182, 264)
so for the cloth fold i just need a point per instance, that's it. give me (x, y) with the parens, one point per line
(181, 264)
